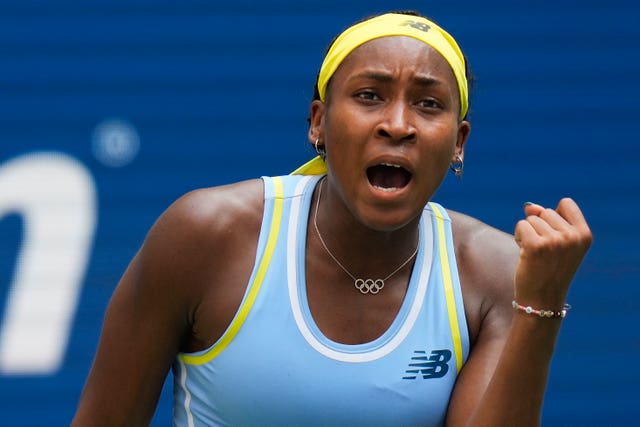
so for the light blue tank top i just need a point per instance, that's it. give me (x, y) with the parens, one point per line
(274, 367)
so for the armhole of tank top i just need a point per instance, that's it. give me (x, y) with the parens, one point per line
(451, 288)
(274, 189)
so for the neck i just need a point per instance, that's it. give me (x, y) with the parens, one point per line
(360, 249)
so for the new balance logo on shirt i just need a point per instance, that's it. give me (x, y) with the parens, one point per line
(430, 366)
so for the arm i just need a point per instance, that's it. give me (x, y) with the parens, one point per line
(504, 380)
(157, 308)
(142, 331)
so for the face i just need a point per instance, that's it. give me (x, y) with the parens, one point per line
(391, 127)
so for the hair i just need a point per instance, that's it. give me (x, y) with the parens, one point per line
(467, 69)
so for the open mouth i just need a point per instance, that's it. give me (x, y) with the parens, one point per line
(388, 177)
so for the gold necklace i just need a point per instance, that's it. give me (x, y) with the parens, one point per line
(365, 286)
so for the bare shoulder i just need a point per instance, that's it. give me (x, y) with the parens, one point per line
(212, 210)
(203, 217)
(477, 239)
(201, 230)
(487, 258)
(201, 252)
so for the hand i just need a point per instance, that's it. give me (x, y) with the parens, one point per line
(552, 245)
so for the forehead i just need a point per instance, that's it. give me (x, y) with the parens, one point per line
(395, 54)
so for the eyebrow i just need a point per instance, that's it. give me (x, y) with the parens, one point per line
(385, 77)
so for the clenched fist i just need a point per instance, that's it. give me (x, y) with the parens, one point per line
(552, 245)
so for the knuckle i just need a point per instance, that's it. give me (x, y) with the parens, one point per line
(538, 246)
(586, 239)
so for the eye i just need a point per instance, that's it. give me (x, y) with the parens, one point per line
(368, 95)
(430, 104)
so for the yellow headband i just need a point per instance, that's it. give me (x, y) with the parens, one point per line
(391, 24)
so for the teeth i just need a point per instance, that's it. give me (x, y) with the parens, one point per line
(390, 165)
(386, 189)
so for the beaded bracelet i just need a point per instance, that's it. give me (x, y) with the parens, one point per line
(542, 313)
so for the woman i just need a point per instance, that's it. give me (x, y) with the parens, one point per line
(341, 295)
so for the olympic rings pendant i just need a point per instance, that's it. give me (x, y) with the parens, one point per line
(369, 286)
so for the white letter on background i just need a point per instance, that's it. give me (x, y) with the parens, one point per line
(55, 196)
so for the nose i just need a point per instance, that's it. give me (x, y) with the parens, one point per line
(396, 123)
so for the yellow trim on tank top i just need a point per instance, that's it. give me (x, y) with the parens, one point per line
(448, 287)
(254, 287)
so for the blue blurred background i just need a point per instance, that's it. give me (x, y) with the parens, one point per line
(110, 110)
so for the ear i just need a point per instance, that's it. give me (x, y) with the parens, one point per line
(316, 120)
(464, 129)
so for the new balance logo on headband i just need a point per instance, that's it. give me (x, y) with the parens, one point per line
(417, 25)
(432, 366)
